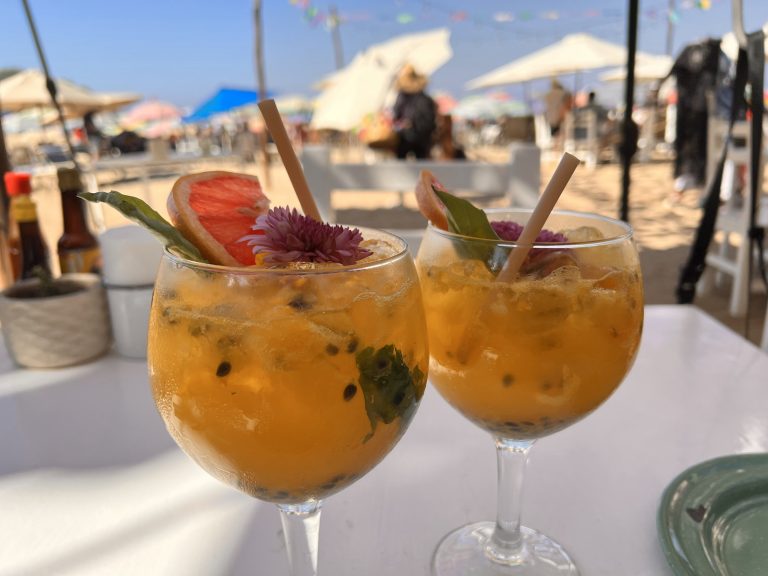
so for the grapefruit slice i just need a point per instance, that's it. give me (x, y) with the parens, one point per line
(214, 210)
(429, 204)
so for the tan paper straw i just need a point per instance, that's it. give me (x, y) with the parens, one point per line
(563, 172)
(292, 165)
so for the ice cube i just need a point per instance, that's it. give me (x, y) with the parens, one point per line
(313, 266)
(542, 263)
(583, 234)
(381, 249)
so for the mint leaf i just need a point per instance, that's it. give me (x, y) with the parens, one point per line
(390, 388)
(142, 213)
(464, 218)
(467, 220)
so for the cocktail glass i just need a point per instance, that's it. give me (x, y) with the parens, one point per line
(526, 358)
(289, 384)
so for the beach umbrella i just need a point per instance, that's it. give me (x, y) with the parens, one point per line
(151, 111)
(362, 88)
(573, 53)
(27, 89)
(224, 100)
(5, 72)
(445, 102)
(648, 68)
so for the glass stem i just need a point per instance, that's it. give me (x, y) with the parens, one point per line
(301, 528)
(505, 545)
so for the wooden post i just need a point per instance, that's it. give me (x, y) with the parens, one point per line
(670, 27)
(338, 52)
(258, 42)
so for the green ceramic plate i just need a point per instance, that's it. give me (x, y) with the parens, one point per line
(713, 518)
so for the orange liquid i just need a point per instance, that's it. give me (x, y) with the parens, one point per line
(528, 358)
(258, 382)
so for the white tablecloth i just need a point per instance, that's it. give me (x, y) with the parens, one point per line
(91, 484)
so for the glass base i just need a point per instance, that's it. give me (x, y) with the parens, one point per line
(462, 553)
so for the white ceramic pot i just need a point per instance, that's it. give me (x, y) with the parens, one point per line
(56, 331)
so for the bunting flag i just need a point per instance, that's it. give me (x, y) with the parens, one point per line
(315, 16)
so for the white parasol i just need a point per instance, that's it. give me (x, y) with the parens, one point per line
(648, 68)
(573, 53)
(362, 87)
(27, 89)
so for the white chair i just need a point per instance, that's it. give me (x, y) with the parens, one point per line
(764, 345)
(730, 251)
(543, 133)
(581, 136)
(516, 181)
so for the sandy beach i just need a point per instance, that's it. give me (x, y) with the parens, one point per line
(663, 230)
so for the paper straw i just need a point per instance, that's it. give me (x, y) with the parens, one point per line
(292, 165)
(563, 172)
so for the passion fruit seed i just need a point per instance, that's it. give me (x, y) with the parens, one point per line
(349, 392)
(223, 369)
(331, 350)
(299, 303)
(507, 380)
(352, 346)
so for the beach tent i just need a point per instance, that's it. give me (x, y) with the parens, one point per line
(573, 53)
(648, 68)
(27, 89)
(224, 100)
(363, 87)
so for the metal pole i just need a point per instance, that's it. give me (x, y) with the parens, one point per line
(258, 42)
(670, 27)
(629, 103)
(6, 270)
(338, 52)
(49, 83)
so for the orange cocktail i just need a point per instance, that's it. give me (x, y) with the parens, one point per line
(545, 351)
(289, 383)
(526, 355)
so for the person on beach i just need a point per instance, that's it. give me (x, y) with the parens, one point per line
(557, 103)
(414, 115)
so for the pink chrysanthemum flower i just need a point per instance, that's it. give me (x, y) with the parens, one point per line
(510, 231)
(283, 235)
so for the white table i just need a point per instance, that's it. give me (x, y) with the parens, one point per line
(90, 483)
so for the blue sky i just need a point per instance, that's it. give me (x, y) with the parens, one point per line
(181, 51)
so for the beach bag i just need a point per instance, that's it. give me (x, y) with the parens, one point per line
(379, 133)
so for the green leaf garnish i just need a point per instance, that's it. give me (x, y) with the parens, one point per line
(142, 213)
(468, 220)
(464, 218)
(390, 388)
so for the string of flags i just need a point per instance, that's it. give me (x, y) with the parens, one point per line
(315, 16)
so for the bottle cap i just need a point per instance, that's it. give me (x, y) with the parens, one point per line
(17, 183)
(69, 179)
